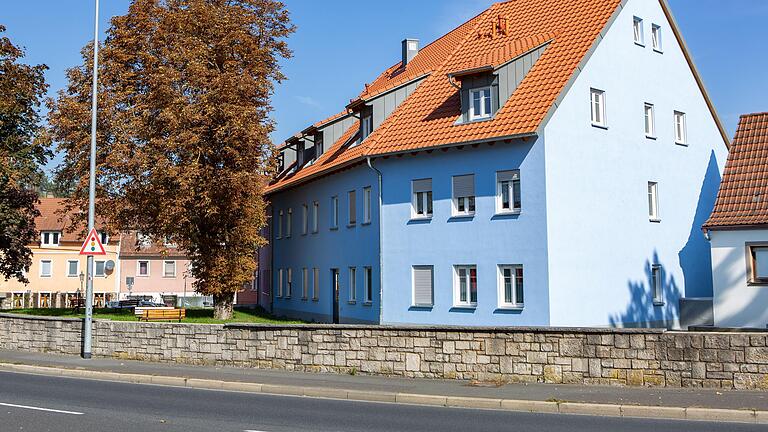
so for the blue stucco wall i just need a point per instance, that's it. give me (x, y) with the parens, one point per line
(342, 248)
(601, 242)
(484, 240)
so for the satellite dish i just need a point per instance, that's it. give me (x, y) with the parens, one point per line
(109, 266)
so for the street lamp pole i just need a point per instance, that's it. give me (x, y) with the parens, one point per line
(87, 333)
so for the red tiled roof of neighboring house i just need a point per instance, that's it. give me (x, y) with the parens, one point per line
(743, 196)
(53, 218)
(427, 118)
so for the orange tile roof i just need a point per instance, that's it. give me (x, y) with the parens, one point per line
(53, 218)
(427, 118)
(743, 196)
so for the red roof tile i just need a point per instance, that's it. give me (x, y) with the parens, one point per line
(53, 218)
(743, 196)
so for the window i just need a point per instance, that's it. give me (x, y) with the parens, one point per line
(289, 282)
(168, 242)
(758, 269)
(103, 237)
(653, 201)
(465, 286)
(288, 223)
(510, 286)
(508, 192)
(656, 282)
(366, 126)
(319, 150)
(304, 219)
(50, 238)
(304, 283)
(73, 268)
(315, 216)
(279, 283)
(99, 267)
(598, 108)
(280, 224)
(315, 284)
(680, 128)
(650, 121)
(367, 205)
(480, 103)
(656, 37)
(421, 207)
(637, 28)
(45, 268)
(334, 212)
(368, 280)
(423, 286)
(169, 269)
(352, 284)
(352, 200)
(464, 195)
(142, 268)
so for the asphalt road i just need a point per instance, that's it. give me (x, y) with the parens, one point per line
(39, 403)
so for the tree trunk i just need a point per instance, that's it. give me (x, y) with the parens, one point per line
(222, 306)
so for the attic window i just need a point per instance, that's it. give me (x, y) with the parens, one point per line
(366, 126)
(637, 28)
(50, 238)
(480, 103)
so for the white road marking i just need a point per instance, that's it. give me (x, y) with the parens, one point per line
(40, 409)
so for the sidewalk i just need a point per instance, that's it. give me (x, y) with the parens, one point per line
(692, 404)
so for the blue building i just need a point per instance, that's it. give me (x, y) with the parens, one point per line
(545, 163)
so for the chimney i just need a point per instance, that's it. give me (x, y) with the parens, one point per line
(410, 49)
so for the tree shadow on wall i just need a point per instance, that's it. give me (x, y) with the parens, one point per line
(642, 311)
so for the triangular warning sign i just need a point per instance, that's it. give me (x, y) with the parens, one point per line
(92, 245)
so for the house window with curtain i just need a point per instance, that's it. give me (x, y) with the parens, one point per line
(510, 286)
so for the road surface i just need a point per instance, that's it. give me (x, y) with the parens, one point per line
(35, 403)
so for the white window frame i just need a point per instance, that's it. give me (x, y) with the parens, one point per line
(103, 273)
(304, 283)
(40, 298)
(77, 270)
(138, 268)
(367, 285)
(288, 282)
(426, 202)
(51, 235)
(485, 94)
(315, 284)
(515, 304)
(335, 212)
(304, 219)
(681, 128)
(366, 126)
(315, 216)
(649, 120)
(638, 33)
(165, 262)
(657, 284)
(656, 38)
(279, 224)
(288, 222)
(351, 208)
(50, 268)
(352, 285)
(468, 303)
(653, 202)
(511, 192)
(469, 201)
(367, 204)
(598, 108)
(280, 282)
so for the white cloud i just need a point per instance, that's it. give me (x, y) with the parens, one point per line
(308, 101)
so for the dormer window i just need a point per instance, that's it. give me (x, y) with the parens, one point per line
(319, 144)
(50, 238)
(366, 126)
(480, 107)
(104, 237)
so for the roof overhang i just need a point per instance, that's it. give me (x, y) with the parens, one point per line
(472, 71)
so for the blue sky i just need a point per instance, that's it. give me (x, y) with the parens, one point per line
(339, 46)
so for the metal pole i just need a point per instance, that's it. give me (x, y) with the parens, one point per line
(87, 333)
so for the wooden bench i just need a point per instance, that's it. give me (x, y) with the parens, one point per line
(163, 315)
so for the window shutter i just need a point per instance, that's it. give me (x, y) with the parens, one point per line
(508, 175)
(464, 186)
(424, 185)
(422, 286)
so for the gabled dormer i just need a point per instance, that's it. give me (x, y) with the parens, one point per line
(50, 238)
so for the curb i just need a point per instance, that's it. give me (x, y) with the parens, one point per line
(529, 406)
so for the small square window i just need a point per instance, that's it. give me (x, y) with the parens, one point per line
(637, 29)
(99, 269)
(480, 103)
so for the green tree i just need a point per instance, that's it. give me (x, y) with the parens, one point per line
(185, 88)
(23, 150)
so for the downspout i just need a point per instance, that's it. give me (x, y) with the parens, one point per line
(381, 238)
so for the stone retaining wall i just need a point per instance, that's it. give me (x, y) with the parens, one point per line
(551, 355)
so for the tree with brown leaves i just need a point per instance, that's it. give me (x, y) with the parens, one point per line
(183, 142)
(23, 150)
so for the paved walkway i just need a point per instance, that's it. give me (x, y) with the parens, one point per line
(661, 397)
